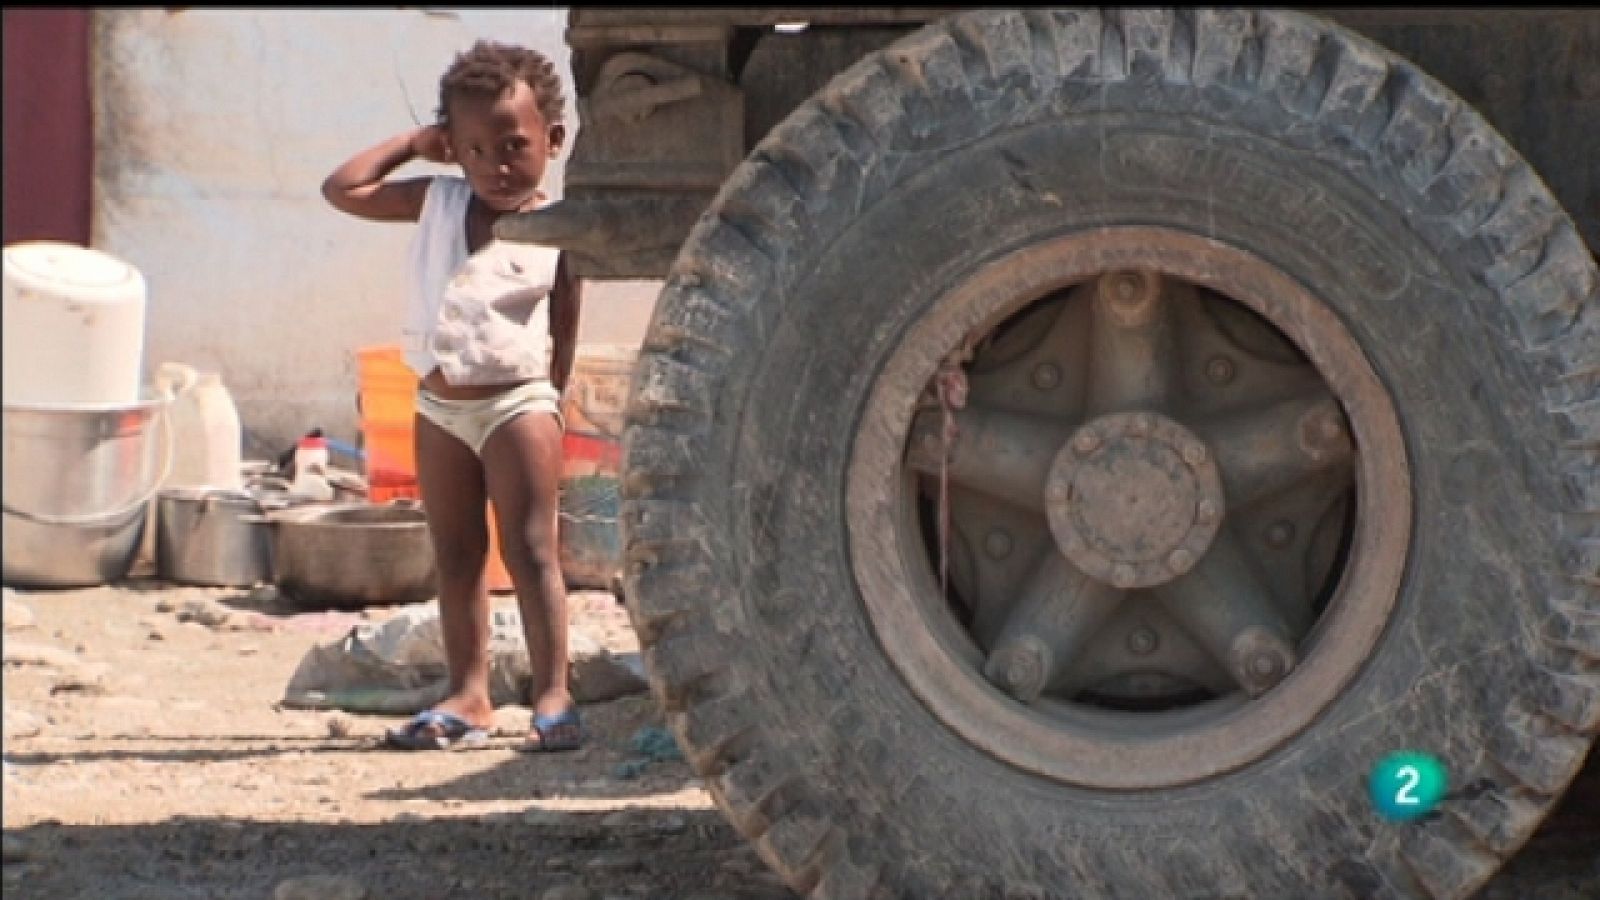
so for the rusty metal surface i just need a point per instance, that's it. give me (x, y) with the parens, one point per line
(1531, 72)
(654, 124)
(1145, 637)
(1133, 498)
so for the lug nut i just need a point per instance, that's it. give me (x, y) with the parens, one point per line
(1320, 432)
(1142, 642)
(1265, 666)
(1130, 298)
(1046, 376)
(1125, 286)
(1279, 534)
(1021, 668)
(1220, 369)
(1329, 428)
(1260, 660)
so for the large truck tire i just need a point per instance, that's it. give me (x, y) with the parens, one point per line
(1076, 447)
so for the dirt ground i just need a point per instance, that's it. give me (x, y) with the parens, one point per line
(147, 756)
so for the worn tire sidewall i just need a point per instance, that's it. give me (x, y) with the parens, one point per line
(1442, 673)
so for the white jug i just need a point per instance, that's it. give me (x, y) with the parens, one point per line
(207, 437)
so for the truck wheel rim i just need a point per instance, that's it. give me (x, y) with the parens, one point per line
(1123, 525)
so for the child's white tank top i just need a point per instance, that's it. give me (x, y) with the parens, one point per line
(480, 319)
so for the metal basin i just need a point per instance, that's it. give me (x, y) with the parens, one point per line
(212, 537)
(349, 556)
(78, 479)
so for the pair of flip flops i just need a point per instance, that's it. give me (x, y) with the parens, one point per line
(558, 733)
(433, 729)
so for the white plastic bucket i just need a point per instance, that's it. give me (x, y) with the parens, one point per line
(73, 326)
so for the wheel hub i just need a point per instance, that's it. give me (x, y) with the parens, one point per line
(1134, 499)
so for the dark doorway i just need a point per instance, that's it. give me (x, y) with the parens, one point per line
(48, 133)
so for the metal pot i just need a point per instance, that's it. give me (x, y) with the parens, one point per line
(352, 555)
(212, 537)
(78, 479)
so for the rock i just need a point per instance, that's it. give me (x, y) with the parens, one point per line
(597, 675)
(319, 887)
(205, 613)
(18, 617)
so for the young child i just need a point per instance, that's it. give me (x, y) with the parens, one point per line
(490, 332)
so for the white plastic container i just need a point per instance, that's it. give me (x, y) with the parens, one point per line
(73, 326)
(207, 436)
(311, 470)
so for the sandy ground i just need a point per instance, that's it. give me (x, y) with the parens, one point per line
(147, 755)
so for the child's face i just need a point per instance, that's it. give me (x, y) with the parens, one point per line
(503, 145)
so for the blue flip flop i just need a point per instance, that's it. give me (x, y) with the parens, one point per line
(450, 731)
(547, 727)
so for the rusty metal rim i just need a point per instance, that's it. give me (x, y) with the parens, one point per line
(937, 659)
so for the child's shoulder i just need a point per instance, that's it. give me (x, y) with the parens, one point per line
(453, 184)
(450, 193)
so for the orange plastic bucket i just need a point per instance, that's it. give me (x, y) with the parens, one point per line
(388, 400)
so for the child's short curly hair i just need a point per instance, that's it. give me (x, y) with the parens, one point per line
(490, 67)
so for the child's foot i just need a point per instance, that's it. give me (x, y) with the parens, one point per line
(435, 730)
(454, 721)
(556, 727)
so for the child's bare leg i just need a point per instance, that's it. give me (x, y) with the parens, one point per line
(453, 494)
(522, 464)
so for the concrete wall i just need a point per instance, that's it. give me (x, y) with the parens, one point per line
(214, 129)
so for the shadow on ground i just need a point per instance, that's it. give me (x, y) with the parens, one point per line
(654, 853)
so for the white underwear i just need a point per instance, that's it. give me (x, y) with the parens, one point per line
(472, 421)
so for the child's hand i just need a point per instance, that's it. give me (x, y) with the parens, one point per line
(430, 143)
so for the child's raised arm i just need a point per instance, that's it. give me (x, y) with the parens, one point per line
(358, 187)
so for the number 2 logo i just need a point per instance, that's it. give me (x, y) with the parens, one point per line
(1410, 778)
(1407, 785)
